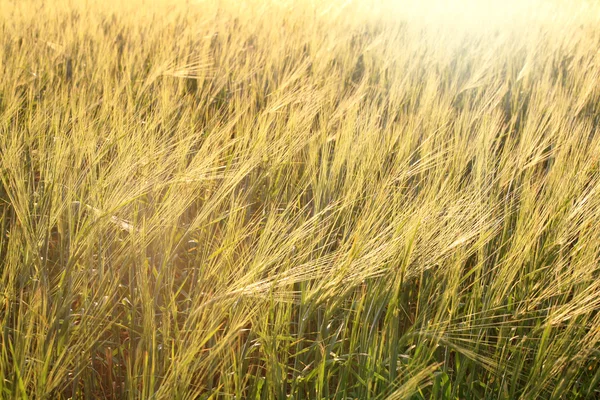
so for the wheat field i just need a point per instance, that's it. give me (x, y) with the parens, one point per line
(244, 199)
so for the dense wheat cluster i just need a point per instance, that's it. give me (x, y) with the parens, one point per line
(299, 200)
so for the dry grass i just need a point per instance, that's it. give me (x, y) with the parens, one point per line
(304, 200)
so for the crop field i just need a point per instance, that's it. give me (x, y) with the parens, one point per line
(244, 199)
